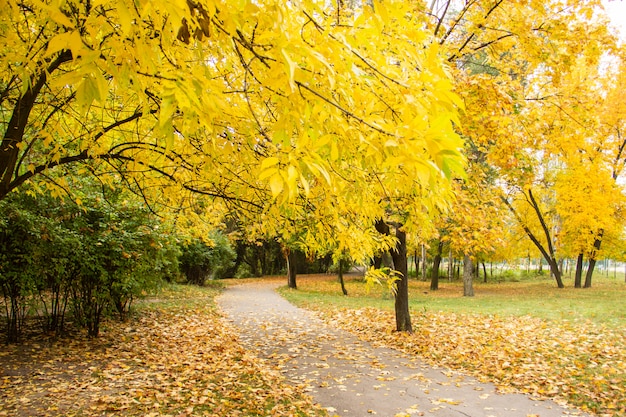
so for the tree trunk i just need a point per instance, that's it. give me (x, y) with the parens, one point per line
(592, 258)
(468, 276)
(450, 265)
(291, 268)
(484, 273)
(340, 276)
(399, 256)
(434, 276)
(400, 264)
(16, 126)
(423, 262)
(588, 275)
(548, 254)
(417, 265)
(578, 277)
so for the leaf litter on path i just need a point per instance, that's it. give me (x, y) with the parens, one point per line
(582, 364)
(353, 378)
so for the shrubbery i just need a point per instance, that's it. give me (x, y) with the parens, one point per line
(200, 260)
(57, 257)
(63, 261)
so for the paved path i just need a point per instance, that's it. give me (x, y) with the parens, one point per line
(352, 378)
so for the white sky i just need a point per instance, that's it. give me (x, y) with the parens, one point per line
(616, 9)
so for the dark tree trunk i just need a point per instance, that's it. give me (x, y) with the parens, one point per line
(434, 276)
(417, 265)
(468, 276)
(399, 256)
(291, 268)
(484, 273)
(400, 264)
(578, 277)
(424, 263)
(592, 259)
(548, 254)
(340, 276)
(16, 126)
(589, 274)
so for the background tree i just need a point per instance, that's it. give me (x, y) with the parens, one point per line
(527, 100)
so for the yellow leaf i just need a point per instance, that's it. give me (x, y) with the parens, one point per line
(267, 173)
(66, 40)
(334, 151)
(268, 162)
(276, 184)
(291, 65)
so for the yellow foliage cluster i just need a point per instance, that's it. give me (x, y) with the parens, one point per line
(275, 109)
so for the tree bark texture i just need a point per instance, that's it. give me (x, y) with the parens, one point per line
(14, 134)
(592, 259)
(468, 276)
(340, 277)
(578, 277)
(424, 263)
(400, 264)
(291, 268)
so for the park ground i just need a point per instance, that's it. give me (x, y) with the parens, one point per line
(177, 355)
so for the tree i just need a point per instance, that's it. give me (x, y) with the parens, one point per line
(115, 85)
(204, 258)
(434, 278)
(468, 276)
(529, 109)
(265, 109)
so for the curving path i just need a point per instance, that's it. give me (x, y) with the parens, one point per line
(352, 378)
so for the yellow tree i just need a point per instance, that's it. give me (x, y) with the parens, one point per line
(272, 110)
(518, 65)
(474, 227)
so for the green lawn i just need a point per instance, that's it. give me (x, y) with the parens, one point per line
(604, 303)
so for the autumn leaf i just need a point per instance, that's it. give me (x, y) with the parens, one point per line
(175, 357)
(581, 363)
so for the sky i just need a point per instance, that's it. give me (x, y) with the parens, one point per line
(616, 10)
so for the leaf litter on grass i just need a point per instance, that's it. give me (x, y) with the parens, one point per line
(178, 359)
(580, 363)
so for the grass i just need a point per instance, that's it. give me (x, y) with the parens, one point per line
(602, 304)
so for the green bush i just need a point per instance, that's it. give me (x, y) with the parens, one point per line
(56, 256)
(200, 260)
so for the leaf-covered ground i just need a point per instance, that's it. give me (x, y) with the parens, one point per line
(584, 364)
(174, 358)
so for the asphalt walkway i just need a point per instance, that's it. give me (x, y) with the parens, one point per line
(352, 378)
